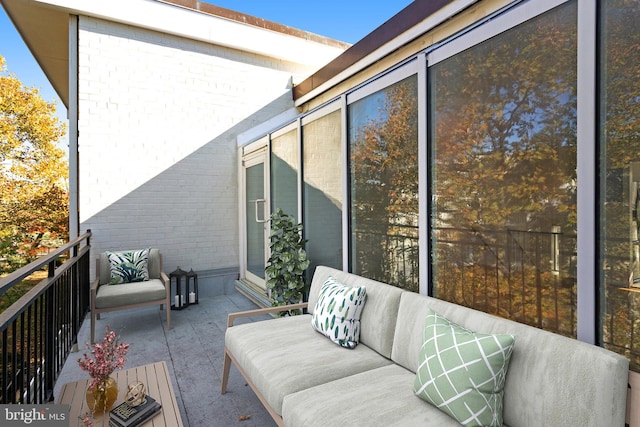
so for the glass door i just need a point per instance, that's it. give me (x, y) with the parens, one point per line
(256, 216)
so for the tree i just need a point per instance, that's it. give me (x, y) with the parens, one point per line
(33, 171)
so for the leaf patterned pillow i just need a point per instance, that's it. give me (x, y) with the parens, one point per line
(337, 312)
(128, 266)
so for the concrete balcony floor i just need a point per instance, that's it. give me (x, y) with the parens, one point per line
(193, 350)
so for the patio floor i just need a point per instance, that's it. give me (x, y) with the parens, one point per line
(193, 350)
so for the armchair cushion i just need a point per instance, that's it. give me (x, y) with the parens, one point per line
(153, 266)
(132, 293)
(128, 266)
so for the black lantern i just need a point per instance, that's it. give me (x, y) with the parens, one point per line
(188, 295)
(181, 300)
(192, 283)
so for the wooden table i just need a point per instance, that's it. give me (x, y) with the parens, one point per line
(155, 376)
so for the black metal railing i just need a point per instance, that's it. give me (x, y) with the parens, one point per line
(389, 254)
(620, 302)
(527, 276)
(40, 329)
(523, 275)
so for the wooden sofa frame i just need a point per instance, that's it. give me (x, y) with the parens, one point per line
(228, 357)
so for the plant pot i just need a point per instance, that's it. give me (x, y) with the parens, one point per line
(100, 398)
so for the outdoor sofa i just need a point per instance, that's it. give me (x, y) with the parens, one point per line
(303, 378)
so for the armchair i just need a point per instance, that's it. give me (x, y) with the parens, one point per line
(106, 296)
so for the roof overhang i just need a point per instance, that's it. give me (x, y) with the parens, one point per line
(45, 31)
(44, 27)
(407, 25)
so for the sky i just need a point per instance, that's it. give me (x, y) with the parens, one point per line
(345, 20)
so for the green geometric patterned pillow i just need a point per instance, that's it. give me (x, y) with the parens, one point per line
(337, 312)
(128, 266)
(461, 372)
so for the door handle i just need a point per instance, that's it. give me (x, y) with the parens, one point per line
(258, 203)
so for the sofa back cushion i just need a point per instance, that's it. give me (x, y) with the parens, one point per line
(154, 266)
(552, 380)
(378, 317)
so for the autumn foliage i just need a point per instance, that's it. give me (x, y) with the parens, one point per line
(33, 174)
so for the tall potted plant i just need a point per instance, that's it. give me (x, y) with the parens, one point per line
(288, 261)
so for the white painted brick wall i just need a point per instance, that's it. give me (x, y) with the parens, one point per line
(158, 119)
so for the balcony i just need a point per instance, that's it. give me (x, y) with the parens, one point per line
(48, 325)
(193, 349)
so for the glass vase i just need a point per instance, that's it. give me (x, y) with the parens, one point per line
(101, 397)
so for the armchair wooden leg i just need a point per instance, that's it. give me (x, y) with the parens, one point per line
(225, 372)
(168, 310)
(93, 325)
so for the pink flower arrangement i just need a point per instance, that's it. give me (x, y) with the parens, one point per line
(87, 420)
(108, 356)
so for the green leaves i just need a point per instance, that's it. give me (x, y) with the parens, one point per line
(288, 261)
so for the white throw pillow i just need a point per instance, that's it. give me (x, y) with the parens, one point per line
(337, 312)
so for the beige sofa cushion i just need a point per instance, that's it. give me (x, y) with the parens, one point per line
(379, 397)
(130, 293)
(286, 355)
(378, 318)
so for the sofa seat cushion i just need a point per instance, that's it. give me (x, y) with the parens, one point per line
(286, 355)
(130, 293)
(384, 395)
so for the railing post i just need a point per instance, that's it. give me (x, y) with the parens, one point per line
(50, 333)
(76, 297)
(52, 268)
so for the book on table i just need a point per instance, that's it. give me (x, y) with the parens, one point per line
(124, 415)
(138, 421)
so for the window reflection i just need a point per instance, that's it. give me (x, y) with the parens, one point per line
(284, 173)
(383, 141)
(503, 139)
(620, 188)
(323, 184)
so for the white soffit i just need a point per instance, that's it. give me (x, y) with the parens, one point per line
(192, 24)
(266, 127)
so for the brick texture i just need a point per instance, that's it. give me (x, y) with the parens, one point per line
(158, 119)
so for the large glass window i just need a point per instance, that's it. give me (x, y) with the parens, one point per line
(620, 183)
(323, 187)
(383, 157)
(284, 172)
(503, 168)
